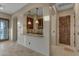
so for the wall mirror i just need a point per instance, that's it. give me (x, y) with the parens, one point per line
(34, 21)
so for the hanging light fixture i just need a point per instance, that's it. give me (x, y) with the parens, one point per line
(37, 16)
(29, 22)
(36, 21)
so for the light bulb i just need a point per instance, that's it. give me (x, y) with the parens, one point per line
(37, 21)
(1, 7)
(29, 23)
(18, 23)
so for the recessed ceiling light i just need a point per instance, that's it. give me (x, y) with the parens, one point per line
(1, 7)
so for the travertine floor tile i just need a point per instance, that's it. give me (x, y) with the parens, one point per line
(10, 48)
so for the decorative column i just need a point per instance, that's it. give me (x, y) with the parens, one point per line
(53, 20)
(76, 9)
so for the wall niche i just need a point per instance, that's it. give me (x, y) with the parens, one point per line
(34, 21)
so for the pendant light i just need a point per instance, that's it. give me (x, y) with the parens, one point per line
(37, 16)
(29, 22)
(36, 21)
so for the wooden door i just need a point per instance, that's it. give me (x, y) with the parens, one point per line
(64, 30)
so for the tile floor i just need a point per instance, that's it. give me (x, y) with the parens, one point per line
(64, 51)
(10, 48)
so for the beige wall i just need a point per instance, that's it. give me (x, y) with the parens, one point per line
(55, 45)
(55, 26)
(58, 49)
(42, 44)
(39, 44)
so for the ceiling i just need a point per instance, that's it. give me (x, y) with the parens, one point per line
(59, 7)
(13, 7)
(36, 12)
(10, 8)
(63, 6)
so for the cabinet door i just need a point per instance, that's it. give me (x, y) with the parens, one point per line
(64, 30)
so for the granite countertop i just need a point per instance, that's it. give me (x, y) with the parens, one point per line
(36, 35)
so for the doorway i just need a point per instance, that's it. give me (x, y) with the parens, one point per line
(4, 29)
(64, 30)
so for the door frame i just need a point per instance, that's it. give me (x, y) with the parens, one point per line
(72, 27)
(15, 28)
(8, 28)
